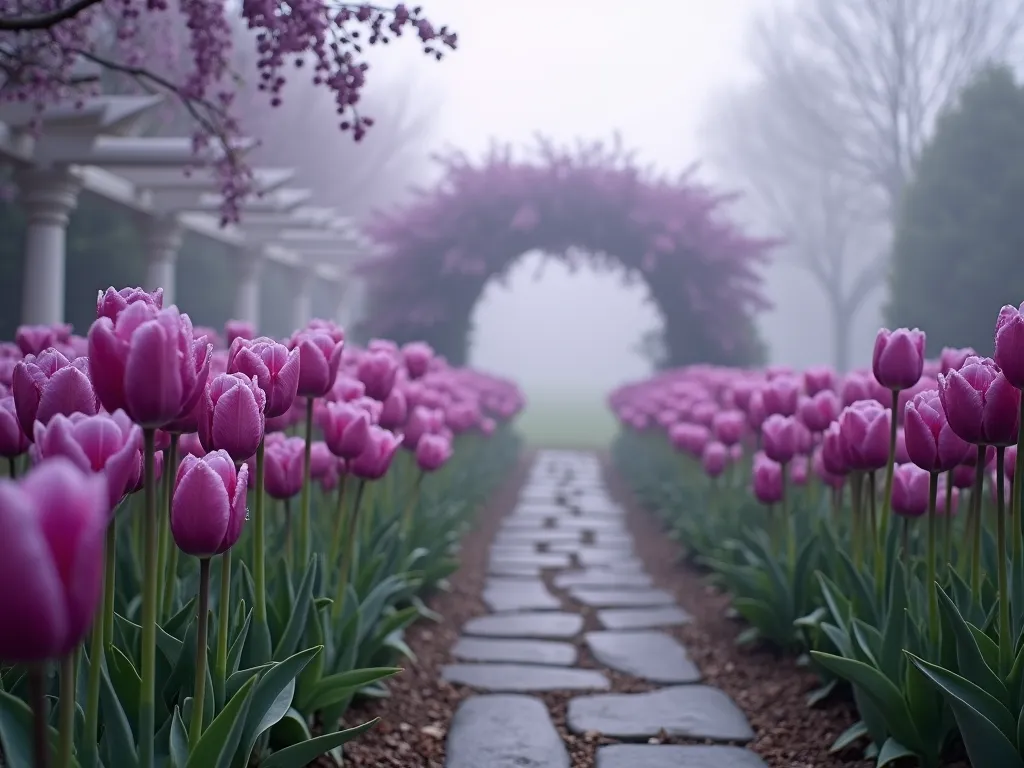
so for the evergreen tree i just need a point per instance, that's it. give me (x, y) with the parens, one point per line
(958, 249)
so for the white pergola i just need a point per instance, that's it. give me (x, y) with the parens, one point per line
(65, 149)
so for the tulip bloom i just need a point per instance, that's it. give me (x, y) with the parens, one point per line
(394, 410)
(768, 485)
(47, 384)
(819, 410)
(52, 528)
(780, 438)
(374, 461)
(107, 445)
(111, 303)
(422, 421)
(930, 442)
(238, 329)
(275, 367)
(377, 369)
(148, 363)
(715, 459)
(231, 415)
(417, 356)
(346, 429)
(952, 358)
(319, 358)
(781, 396)
(13, 441)
(898, 357)
(864, 432)
(285, 458)
(729, 426)
(208, 505)
(982, 407)
(910, 490)
(433, 452)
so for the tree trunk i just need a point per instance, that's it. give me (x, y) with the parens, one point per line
(841, 318)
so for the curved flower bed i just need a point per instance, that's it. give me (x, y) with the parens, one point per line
(443, 248)
(209, 548)
(871, 521)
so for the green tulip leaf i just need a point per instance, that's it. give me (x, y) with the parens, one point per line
(235, 651)
(970, 660)
(301, 755)
(178, 623)
(868, 642)
(239, 678)
(117, 733)
(125, 679)
(292, 633)
(290, 729)
(272, 698)
(178, 740)
(16, 732)
(891, 752)
(217, 745)
(839, 607)
(334, 688)
(879, 689)
(855, 732)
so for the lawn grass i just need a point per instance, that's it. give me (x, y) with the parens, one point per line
(564, 423)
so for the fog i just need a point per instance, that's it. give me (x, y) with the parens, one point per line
(762, 94)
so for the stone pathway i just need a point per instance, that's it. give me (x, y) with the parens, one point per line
(566, 524)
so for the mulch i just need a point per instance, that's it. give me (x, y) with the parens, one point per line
(770, 688)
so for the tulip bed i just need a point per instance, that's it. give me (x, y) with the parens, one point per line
(207, 552)
(869, 523)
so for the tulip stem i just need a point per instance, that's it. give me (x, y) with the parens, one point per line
(221, 662)
(261, 637)
(202, 628)
(1005, 641)
(787, 528)
(90, 738)
(345, 566)
(147, 693)
(947, 524)
(411, 505)
(979, 483)
(67, 710)
(1018, 480)
(40, 728)
(338, 520)
(857, 528)
(304, 501)
(165, 585)
(933, 595)
(12, 467)
(109, 581)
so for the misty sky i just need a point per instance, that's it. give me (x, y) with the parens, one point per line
(568, 69)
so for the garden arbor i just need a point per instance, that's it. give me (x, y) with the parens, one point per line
(593, 202)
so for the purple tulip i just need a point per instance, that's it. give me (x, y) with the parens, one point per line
(781, 396)
(47, 384)
(111, 303)
(208, 505)
(729, 426)
(910, 490)
(346, 429)
(394, 411)
(231, 415)
(109, 445)
(714, 459)
(148, 363)
(1009, 347)
(898, 357)
(238, 329)
(275, 367)
(319, 358)
(433, 452)
(377, 369)
(952, 358)
(780, 438)
(864, 430)
(417, 356)
(374, 462)
(768, 485)
(52, 528)
(13, 441)
(931, 443)
(285, 457)
(982, 407)
(819, 410)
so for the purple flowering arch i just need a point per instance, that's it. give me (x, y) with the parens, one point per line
(593, 203)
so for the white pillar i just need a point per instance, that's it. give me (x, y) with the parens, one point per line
(163, 235)
(342, 312)
(47, 196)
(247, 288)
(302, 301)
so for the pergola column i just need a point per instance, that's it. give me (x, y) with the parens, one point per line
(163, 236)
(47, 196)
(247, 287)
(302, 300)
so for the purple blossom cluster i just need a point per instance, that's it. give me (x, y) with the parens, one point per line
(673, 233)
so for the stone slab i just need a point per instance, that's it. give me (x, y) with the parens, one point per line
(518, 537)
(575, 547)
(502, 731)
(672, 756)
(536, 559)
(500, 651)
(519, 678)
(513, 570)
(688, 711)
(607, 557)
(600, 597)
(647, 654)
(505, 551)
(596, 524)
(554, 625)
(536, 509)
(602, 577)
(502, 594)
(642, 618)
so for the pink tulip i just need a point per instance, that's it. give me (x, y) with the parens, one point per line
(714, 459)
(1009, 347)
(238, 329)
(52, 528)
(820, 379)
(930, 442)
(109, 445)
(820, 410)
(689, 438)
(729, 426)
(148, 363)
(111, 303)
(864, 430)
(768, 485)
(433, 452)
(781, 396)
(319, 358)
(189, 444)
(275, 367)
(422, 421)
(47, 384)
(377, 370)
(231, 415)
(833, 452)
(982, 407)
(910, 490)
(417, 356)
(285, 458)
(208, 505)
(898, 357)
(375, 460)
(394, 410)
(346, 429)
(856, 387)
(779, 438)
(952, 359)
(13, 441)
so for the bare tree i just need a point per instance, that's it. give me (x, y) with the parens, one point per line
(798, 187)
(889, 66)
